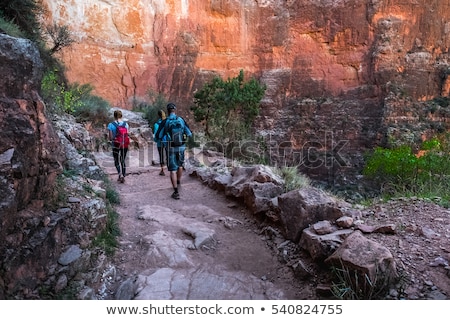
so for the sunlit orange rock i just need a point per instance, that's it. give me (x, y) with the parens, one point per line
(300, 48)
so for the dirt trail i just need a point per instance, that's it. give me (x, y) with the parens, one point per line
(203, 246)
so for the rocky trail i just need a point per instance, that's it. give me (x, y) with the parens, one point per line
(208, 246)
(203, 246)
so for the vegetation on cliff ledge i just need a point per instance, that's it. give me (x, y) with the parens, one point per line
(401, 172)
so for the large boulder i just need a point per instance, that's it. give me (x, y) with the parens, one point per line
(366, 259)
(302, 207)
(256, 185)
(321, 246)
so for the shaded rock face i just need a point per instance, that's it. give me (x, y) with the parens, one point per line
(30, 152)
(21, 68)
(30, 160)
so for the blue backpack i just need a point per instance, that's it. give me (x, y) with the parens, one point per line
(175, 132)
(156, 128)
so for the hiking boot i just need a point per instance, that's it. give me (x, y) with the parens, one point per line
(176, 195)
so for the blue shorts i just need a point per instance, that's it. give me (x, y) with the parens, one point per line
(176, 159)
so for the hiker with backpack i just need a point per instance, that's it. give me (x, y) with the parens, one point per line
(161, 145)
(118, 135)
(176, 130)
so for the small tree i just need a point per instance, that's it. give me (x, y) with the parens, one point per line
(59, 37)
(227, 109)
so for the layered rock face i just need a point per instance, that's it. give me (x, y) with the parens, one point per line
(45, 234)
(30, 151)
(299, 48)
(328, 65)
(30, 160)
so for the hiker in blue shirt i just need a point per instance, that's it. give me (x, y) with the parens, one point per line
(161, 145)
(177, 131)
(119, 143)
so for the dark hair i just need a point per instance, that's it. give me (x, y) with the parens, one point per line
(117, 114)
(171, 106)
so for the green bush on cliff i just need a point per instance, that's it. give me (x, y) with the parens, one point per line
(150, 106)
(92, 108)
(401, 172)
(228, 108)
(74, 99)
(53, 89)
(24, 14)
(10, 28)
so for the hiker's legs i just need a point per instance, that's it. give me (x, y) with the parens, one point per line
(161, 155)
(180, 163)
(175, 168)
(161, 152)
(166, 155)
(172, 166)
(122, 158)
(173, 179)
(179, 174)
(116, 159)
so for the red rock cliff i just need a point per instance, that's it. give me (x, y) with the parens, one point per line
(30, 151)
(299, 47)
(328, 65)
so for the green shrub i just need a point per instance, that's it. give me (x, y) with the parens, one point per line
(10, 28)
(150, 106)
(74, 99)
(442, 101)
(107, 239)
(112, 195)
(151, 114)
(228, 108)
(357, 285)
(397, 165)
(292, 178)
(53, 90)
(23, 13)
(92, 108)
(401, 172)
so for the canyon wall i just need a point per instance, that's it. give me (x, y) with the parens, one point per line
(328, 64)
(46, 232)
(30, 152)
(299, 48)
